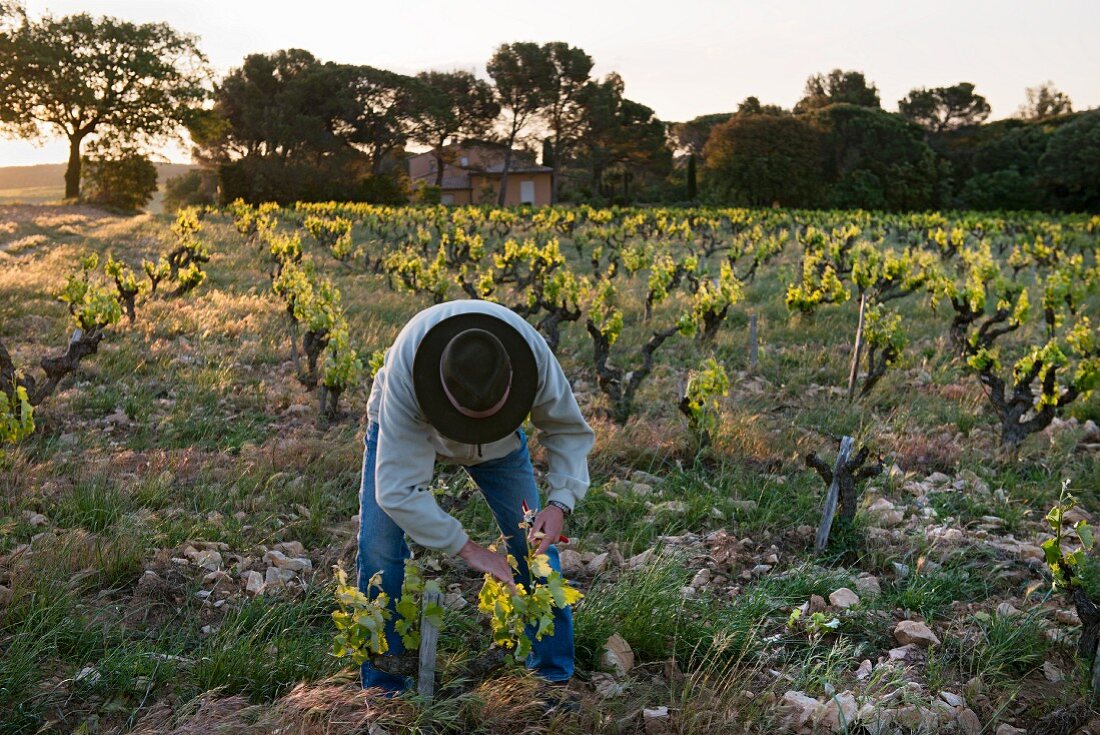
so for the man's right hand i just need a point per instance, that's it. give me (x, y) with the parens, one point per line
(481, 559)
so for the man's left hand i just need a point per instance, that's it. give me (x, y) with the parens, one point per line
(546, 528)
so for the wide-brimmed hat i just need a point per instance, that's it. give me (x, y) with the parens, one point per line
(475, 378)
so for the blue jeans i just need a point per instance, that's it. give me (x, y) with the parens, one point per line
(505, 483)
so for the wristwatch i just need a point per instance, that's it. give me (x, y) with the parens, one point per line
(565, 509)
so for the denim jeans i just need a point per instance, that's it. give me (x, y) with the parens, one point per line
(506, 483)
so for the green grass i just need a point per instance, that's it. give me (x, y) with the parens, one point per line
(647, 608)
(969, 507)
(265, 648)
(931, 594)
(1008, 648)
(93, 504)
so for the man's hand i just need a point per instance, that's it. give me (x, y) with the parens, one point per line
(481, 559)
(548, 523)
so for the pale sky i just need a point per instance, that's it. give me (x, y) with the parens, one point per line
(681, 57)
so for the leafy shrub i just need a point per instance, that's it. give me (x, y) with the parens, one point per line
(196, 188)
(122, 178)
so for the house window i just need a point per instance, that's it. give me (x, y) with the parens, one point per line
(464, 161)
(447, 199)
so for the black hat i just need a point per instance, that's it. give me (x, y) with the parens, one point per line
(475, 378)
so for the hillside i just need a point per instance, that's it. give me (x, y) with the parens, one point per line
(46, 182)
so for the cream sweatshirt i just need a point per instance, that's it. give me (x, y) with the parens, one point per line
(408, 446)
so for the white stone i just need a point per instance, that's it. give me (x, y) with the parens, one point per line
(617, 656)
(290, 548)
(35, 519)
(88, 674)
(797, 709)
(1005, 729)
(837, 714)
(1052, 673)
(253, 583)
(598, 563)
(1007, 610)
(645, 478)
(640, 560)
(902, 653)
(969, 723)
(454, 601)
(916, 633)
(868, 585)
(208, 559)
(843, 598)
(639, 489)
(1030, 551)
(864, 670)
(571, 562)
(214, 577)
(281, 560)
(873, 719)
(655, 713)
(606, 686)
(880, 506)
(953, 699)
(1067, 617)
(891, 518)
(276, 577)
(701, 578)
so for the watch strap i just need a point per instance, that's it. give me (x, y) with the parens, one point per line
(561, 506)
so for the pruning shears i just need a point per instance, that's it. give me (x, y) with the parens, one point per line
(527, 512)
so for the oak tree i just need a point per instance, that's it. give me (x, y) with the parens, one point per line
(1043, 101)
(521, 73)
(944, 108)
(83, 76)
(837, 86)
(564, 103)
(459, 105)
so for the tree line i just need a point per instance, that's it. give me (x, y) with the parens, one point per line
(838, 148)
(287, 126)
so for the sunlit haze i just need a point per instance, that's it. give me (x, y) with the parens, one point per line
(683, 58)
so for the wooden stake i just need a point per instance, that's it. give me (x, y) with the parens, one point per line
(429, 636)
(1096, 670)
(754, 345)
(294, 346)
(857, 350)
(822, 537)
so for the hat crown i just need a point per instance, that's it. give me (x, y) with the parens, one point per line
(476, 369)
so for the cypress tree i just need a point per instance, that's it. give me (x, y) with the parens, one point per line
(547, 153)
(693, 184)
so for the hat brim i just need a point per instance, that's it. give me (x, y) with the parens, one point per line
(437, 408)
